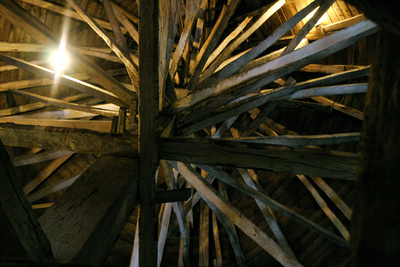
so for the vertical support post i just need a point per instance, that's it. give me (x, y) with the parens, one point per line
(148, 134)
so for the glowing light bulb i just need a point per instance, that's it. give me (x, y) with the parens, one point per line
(60, 60)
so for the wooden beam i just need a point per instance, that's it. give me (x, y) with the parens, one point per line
(66, 12)
(163, 232)
(236, 65)
(223, 176)
(275, 69)
(244, 36)
(329, 69)
(217, 243)
(235, 216)
(148, 129)
(21, 234)
(305, 161)
(36, 158)
(300, 140)
(339, 107)
(83, 224)
(64, 104)
(334, 219)
(55, 138)
(204, 235)
(53, 188)
(99, 126)
(252, 101)
(211, 42)
(45, 173)
(39, 31)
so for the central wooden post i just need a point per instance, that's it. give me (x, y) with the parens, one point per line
(148, 130)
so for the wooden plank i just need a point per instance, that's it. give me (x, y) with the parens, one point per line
(204, 235)
(122, 52)
(163, 232)
(305, 161)
(333, 196)
(99, 126)
(21, 234)
(235, 216)
(308, 26)
(63, 104)
(34, 27)
(36, 158)
(217, 243)
(66, 12)
(251, 179)
(53, 188)
(236, 65)
(83, 224)
(300, 140)
(63, 79)
(277, 68)
(331, 90)
(238, 41)
(338, 224)
(329, 69)
(130, 28)
(259, 99)
(339, 107)
(221, 175)
(56, 138)
(148, 129)
(211, 42)
(192, 10)
(135, 253)
(45, 173)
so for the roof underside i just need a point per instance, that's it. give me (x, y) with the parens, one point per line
(331, 116)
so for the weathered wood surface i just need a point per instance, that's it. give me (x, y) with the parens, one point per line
(84, 223)
(224, 177)
(235, 216)
(375, 221)
(305, 140)
(63, 104)
(294, 160)
(21, 236)
(148, 129)
(36, 158)
(276, 68)
(55, 138)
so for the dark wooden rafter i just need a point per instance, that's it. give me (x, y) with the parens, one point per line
(21, 234)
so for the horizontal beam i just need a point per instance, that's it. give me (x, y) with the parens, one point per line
(56, 138)
(297, 160)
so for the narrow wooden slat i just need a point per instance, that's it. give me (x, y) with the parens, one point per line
(338, 224)
(53, 188)
(333, 196)
(163, 232)
(63, 104)
(221, 175)
(257, 24)
(339, 107)
(45, 173)
(36, 158)
(236, 217)
(192, 10)
(204, 235)
(66, 12)
(277, 68)
(130, 28)
(217, 243)
(331, 90)
(265, 44)
(211, 42)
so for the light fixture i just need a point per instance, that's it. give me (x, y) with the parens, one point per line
(60, 60)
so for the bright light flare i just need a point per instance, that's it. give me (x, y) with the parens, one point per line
(60, 60)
